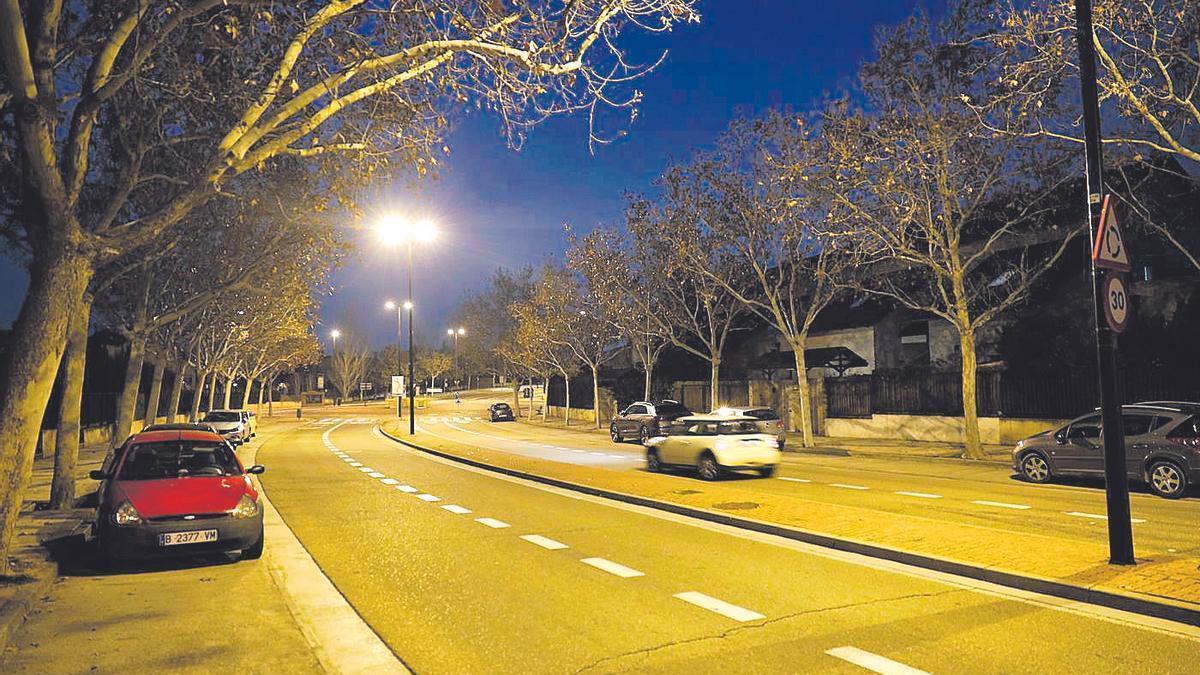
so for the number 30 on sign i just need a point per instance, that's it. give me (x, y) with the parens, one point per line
(1116, 303)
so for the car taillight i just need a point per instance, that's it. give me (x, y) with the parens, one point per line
(1187, 442)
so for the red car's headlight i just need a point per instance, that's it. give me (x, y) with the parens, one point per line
(246, 508)
(126, 515)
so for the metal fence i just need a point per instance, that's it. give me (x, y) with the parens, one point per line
(998, 394)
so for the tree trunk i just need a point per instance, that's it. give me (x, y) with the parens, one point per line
(715, 384)
(154, 396)
(212, 391)
(567, 407)
(649, 376)
(228, 392)
(806, 432)
(517, 397)
(972, 444)
(66, 440)
(199, 379)
(596, 394)
(58, 279)
(270, 385)
(127, 404)
(176, 393)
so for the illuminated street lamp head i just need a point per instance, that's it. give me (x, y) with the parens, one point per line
(462, 331)
(407, 304)
(395, 231)
(449, 331)
(389, 305)
(335, 333)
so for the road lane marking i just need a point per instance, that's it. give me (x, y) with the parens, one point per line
(428, 498)
(795, 480)
(366, 469)
(389, 481)
(719, 606)
(596, 453)
(407, 488)
(376, 474)
(1001, 505)
(873, 662)
(613, 568)
(1097, 516)
(847, 486)
(544, 542)
(492, 523)
(922, 495)
(455, 508)
(355, 463)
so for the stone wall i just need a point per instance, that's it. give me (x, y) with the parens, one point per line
(994, 430)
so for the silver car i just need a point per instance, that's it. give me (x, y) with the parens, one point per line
(1162, 445)
(766, 419)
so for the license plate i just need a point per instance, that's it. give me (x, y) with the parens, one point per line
(193, 537)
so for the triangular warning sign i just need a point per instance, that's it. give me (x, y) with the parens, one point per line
(1109, 251)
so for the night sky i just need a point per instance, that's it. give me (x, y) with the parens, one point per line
(497, 207)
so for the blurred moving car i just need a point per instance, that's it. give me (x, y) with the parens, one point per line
(1162, 447)
(230, 424)
(501, 412)
(176, 493)
(714, 445)
(766, 419)
(642, 419)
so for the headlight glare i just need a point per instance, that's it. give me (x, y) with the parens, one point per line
(126, 515)
(246, 508)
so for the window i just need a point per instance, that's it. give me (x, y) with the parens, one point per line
(1189, 429)
(637, 410)
(1088, 427)
(672, 409)
(736, 428)
(1136, 425)
(177, 459)
(765, 414)
(222, 417)
(914, 343)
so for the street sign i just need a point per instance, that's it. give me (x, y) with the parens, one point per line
(1109, 251)
(397, 385)
(1116, 303)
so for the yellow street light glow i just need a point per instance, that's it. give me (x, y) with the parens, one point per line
(449, 331)
(395, 230)
(462, 331)
(335, 333)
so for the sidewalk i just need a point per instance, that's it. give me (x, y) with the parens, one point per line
(1164, 578)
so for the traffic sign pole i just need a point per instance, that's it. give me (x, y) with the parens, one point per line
(1116, 478)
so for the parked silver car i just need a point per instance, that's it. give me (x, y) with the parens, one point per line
(1162, 445)
(766, 419)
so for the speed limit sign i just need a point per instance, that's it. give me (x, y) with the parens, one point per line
(1116, 303)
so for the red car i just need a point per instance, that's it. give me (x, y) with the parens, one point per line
(177, 492)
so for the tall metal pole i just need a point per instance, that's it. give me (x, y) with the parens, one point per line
(412, 388)
(1116, 477)
(399, 359)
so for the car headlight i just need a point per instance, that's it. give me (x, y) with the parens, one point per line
(126, 515)
(246, 508)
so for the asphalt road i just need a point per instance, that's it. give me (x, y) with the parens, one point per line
(982, 495)
(460, 570)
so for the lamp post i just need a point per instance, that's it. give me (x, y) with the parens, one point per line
(333, 335)
(460, 331)
(399, 342)
(396, 231)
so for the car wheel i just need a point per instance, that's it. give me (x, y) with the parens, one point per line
(256, 550)
(614, 434)
(1167, 479)
(708, 467)
(653, 463)
(767, 471)
(1035, 468)
(643, 435)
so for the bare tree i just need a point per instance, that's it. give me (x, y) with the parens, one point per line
(348, 365)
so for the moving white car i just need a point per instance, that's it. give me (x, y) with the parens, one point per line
(714, 445)
(765, 418)
(230, 424)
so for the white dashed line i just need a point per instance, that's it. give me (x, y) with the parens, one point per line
(428, 498)
(455, 508)
(367, 469)
(375, 474)
(492, 522)
(873, 662)
(355, 464)
(922, 495)
(407, 488)
(719, 606)
(1097, 516)
(847, 486)
(596, 453)
(544, 542)
(795, 480)
(389, 481)
(612, 568)
(1001, 505)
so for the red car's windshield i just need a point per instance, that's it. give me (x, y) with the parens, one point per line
(172, 459)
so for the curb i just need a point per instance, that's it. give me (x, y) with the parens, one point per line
(1058, 589)
(842, 452)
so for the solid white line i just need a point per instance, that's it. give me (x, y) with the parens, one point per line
(492, 522)
(1002, 505)
(612, 568)
(873, 662)
(455, 508)
(922, 495)
(390, 481)
(544, 542)
(375, 474)
(849, 487)
(407, 488)
(428, 498)
(719, 606)
(1096, 516)
(795, 480)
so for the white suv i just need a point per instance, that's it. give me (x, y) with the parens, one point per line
(230, 424)
(714, 445)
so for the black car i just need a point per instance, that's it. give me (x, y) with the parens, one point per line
(501, 412)
(1162, 446)
(643, 419)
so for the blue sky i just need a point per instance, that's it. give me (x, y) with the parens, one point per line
(499, 207)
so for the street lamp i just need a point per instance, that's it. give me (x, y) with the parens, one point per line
(400, 309)
(456, 333)
(333, 335)
(396, 231)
